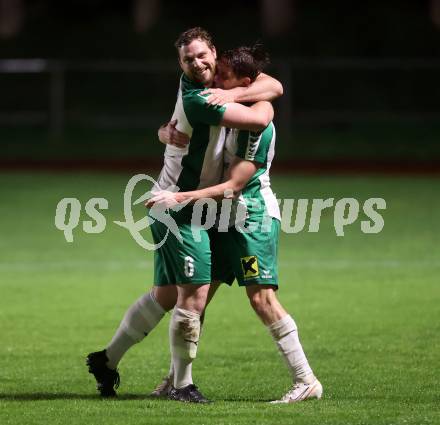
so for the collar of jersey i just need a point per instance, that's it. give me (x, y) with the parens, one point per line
(191, 84)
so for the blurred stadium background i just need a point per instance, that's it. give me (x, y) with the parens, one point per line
(93, 80)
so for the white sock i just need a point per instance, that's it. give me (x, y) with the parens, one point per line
(184, 337)
(139, 320)
(285, 334)
(171, 370)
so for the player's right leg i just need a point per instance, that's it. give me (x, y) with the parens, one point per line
(220, 272)
(139, 320)
(164, 387)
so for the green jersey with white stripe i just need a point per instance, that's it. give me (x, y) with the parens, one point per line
(250, 256)
(200, 164)
(259, 147)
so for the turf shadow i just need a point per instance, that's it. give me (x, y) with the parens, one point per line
(67, 396)
(23, 397)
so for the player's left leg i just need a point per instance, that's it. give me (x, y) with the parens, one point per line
(284, 332)
(283, 329)
(139, 320)
(257, 269)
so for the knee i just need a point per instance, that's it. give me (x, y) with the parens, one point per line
(166, 296)
(192, 297)
(265, 304)
(259, 303)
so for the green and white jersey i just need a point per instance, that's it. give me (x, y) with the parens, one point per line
(259, 147)
(200, 164)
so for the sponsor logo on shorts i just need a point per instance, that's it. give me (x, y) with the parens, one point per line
(266, 274)
(249, 266)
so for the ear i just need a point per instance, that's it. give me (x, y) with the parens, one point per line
(181, 66)
(247, 81)
(178, 57)
(214, 52)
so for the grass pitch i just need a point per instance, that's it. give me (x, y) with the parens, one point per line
(367, 306)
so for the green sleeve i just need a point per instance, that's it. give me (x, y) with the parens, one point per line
(199, 111)
(253, 146)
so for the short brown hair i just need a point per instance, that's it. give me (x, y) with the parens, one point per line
(196, 33)
(246, 61)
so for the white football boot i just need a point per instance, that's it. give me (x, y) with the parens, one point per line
(301, 391)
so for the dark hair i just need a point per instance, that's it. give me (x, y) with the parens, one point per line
(246, 61)
(196, 33)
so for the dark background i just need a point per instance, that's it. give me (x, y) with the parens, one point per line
(361, 79)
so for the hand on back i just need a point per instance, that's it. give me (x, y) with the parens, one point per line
(169, 135)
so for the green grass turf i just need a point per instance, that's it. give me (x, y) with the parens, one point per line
(367, 307)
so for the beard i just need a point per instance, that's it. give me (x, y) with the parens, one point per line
(205, 77)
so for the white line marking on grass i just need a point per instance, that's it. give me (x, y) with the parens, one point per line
(354, 264)
(350, 264)
(114, 265)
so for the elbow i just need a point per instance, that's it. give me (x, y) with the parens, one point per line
(265, 120)
(268, 119)
(279, 90)
(262, 122)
